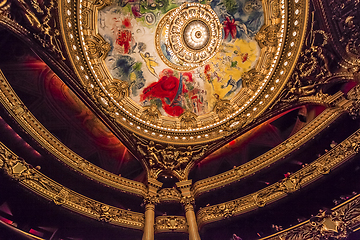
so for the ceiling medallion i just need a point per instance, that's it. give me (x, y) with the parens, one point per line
(188, 36)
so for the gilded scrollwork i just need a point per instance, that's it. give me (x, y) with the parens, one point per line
(118, 89)
(151, 114)
(169, 158)
(170, 224)
(151, 199)
(354, 96)
(39, 19)
(188, 120)
(222, 107)
(312, 71)
(187, 200)
(61, 197)
(97, 47)
(252, 79)
(169, 194)
(5, 8)
(345, 15)
(337, 223)
(268, 36)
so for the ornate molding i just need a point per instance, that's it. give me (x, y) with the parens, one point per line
(337, 223)
(332, 159)
(345, 18)
(312, 72)
(171, 224)
(169, 194)
(172, 159)
(33, 127)
(305, 134)
(38, 18)
(35, 181)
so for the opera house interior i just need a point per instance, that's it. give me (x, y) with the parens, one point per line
(175, 120)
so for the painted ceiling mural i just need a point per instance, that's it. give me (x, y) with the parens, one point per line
(220, 48)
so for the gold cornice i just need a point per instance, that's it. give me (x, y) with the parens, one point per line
(33, 127)
(312, 172)
(29, 177)
(305, 134)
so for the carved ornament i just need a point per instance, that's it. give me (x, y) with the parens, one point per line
(173, 159)
(170, 224)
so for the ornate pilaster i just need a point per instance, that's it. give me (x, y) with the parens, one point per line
(150, 200)
(188, 201)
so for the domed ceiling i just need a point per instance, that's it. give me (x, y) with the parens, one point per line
(222, 119)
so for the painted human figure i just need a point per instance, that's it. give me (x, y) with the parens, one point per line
(234, 86)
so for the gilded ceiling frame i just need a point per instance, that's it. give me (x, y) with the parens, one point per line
(86, 48)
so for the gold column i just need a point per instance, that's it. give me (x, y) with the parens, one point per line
(188, 201)
(149, 222)
(150, 200)
(191, 220)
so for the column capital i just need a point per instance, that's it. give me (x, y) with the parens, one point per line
(151, 199)
(188, 202)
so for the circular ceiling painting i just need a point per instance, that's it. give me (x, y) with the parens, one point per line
(181, 56)
(175, 71)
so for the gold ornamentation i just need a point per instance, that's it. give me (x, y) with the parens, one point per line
(33, 127)
(169, 194)
(354, 96)
(207, 126)
(151, 114)
(168, 158)
(268, 36)
(192, 35)
(252, 79)
(151, 199)
(311, 72)
(346, 18)
(188, 120)
(118, 89)
(5, 6)
(222, 107)
(39, 19)
(61, 197)
(97, 47)
(187, 200)
(170, 224)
